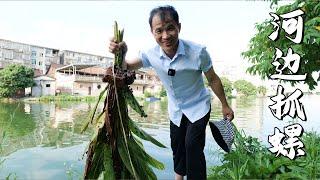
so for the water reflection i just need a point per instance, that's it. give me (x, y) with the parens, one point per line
(42, 124)
(17, 126)
(42, 137)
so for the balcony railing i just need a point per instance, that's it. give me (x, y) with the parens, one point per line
(83, 78)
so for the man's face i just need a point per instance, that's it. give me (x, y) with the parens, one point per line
(166, 32)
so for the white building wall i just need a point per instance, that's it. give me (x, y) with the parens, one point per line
(48, 90)
(95, 90)
(65, 82)
(43, 87)
(36, 90)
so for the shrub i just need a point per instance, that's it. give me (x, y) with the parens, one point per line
(147, 94)
(245, 87)
(163, 92)
(262, 90)
(251, 160)
(227, 86)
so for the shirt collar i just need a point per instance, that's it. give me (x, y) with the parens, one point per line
(180, 50)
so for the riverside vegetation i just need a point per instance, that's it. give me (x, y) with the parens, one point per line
(251, 160)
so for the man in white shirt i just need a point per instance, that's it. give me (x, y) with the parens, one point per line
(179, 64)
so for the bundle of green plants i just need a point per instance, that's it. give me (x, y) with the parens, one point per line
(116, 150)
(252, 160)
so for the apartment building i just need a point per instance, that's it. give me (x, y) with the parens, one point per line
(35, 57)
(40, 58)
(72, 57)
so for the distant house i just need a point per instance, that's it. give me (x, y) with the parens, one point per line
(45, 82)
(80, 79)
(146, 80)
(45, 85)
(85, 79)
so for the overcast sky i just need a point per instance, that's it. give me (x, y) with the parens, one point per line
(225, 27)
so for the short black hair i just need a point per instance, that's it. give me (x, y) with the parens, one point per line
(162, 10)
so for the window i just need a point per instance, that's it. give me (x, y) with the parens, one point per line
(33, 53)
(47, 85)
(99, 86)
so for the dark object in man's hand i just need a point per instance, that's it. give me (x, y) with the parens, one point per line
(121, 77)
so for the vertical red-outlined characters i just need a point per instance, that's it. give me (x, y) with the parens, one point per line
(286, 66)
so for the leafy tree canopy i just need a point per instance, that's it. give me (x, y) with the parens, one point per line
(262, 90)
(13, 78)
(262, 50)
(227, 86)
(245, 87)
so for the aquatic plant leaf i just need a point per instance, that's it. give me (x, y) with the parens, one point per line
(84, 128)
(125, 155)
(97, 165)
(141, 153)
(140, 161)
(143, 135)
(100, 120)
(108, 163)
(133, 103)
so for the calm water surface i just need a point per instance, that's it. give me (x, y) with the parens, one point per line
(43, 140)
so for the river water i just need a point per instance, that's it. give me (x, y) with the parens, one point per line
(43, 140)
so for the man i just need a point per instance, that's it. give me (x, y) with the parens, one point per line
(179, 64)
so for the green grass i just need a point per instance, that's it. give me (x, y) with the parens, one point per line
(67, 98)
(251, 160)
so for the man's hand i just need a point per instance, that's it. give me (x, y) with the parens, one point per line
(116, 47)
(227, 113)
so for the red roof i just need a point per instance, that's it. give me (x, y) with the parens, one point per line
(52, 69)
(37, 73)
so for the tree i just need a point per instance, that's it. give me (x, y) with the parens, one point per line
(245, 87)
(163, 92)
(13, 78)
(147, 94)
(262, 50)
(227, 86)
(262, 90)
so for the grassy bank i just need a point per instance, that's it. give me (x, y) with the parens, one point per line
(251, 160)
(70, 98)
(62, 98)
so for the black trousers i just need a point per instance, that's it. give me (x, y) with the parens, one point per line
(187, 143)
